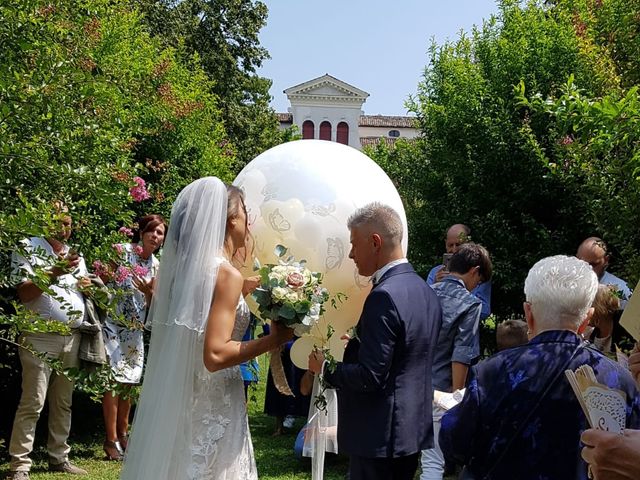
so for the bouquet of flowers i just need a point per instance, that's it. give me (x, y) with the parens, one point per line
(290, 293)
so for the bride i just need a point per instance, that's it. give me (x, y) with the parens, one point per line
(191, 421)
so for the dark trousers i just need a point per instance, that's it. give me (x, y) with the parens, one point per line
(401, 468)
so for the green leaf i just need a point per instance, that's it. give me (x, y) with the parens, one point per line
(303, 307)
(262, 297)
(287, 311)
(280, 250)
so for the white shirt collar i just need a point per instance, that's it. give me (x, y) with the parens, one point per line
(375, 278)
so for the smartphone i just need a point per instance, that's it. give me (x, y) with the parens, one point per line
(73, 254)
(446, 258)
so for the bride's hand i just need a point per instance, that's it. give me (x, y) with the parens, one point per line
(281, 332)
(250, 284)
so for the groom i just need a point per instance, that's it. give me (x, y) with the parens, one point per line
(384, 383)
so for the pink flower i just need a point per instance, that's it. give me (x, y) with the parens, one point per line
(118, 248)
(140, 271)
(139, 191)
(137, 249)
(122, 273)
(295, 280)
(98, 267)
(126, 231)
(102, 270)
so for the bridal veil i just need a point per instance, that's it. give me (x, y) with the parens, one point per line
(161, 433)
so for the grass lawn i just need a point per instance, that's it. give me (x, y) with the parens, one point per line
(274, 455)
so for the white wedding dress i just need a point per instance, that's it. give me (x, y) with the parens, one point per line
(190, 424)
(221, 446)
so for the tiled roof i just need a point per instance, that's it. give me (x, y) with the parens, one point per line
(285, 117)
(387, 121)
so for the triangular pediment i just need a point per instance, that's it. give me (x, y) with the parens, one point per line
(326, 87)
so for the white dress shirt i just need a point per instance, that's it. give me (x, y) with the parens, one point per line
(65, 291)
(375, 278)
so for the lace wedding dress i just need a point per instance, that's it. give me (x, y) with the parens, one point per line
(221, 443)
(190, 424)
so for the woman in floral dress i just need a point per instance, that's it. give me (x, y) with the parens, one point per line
(123, 334)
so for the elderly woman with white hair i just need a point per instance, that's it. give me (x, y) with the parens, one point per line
(519, 417)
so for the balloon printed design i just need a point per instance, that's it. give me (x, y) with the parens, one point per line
(300, 194)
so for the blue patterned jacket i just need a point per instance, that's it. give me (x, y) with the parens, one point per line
(504, 388)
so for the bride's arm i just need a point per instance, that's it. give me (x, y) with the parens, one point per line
(220, 351)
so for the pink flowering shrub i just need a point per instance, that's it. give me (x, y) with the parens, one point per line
(139, 192)
(126, 231)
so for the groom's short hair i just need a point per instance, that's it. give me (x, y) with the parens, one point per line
(381, 218)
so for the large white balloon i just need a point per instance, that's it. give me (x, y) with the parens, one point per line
(300, 195)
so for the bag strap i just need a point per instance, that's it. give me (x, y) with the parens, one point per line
(525, 422)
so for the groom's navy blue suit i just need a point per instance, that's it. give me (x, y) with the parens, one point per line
(384, 382)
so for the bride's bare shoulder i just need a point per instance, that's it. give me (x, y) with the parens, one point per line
(229, 275)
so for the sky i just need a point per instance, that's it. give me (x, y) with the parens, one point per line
(377, 46)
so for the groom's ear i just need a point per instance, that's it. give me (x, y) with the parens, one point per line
(376, 240)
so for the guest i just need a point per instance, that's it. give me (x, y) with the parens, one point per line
(306, 387)
(511, 333)
(612, 456)
(123, 333)
(383, 384)
(250, 368)
(319, 435)
(519, 417)
(594, 251)
(458, 343)
(285, 408)
(39, 381)
(457, 235)
(605, 332)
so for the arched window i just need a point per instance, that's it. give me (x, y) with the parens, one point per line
(307, 129)
(394, 133)
(342, 133)
(325, 131)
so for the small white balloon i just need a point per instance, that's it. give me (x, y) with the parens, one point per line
(301, 349)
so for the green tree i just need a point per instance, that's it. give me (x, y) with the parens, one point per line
(89, 99)
(484, 156)
(91, 105)
(593, 146)
(610, 26)
(224, 33)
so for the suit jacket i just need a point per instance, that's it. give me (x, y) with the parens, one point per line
(502, 390)
(384, 383)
